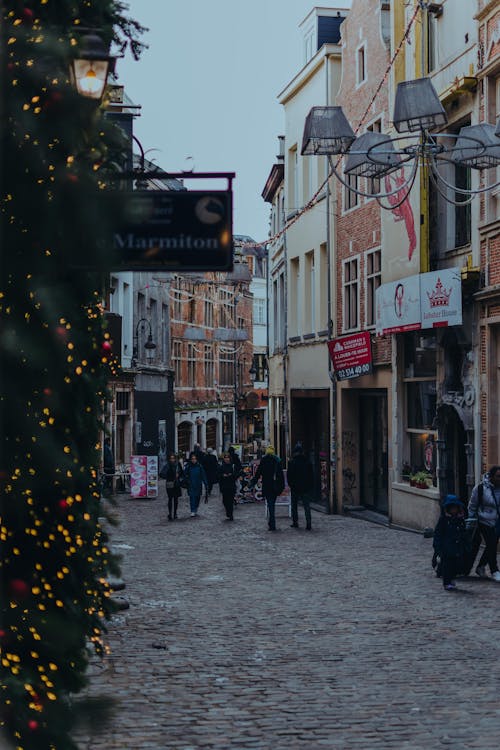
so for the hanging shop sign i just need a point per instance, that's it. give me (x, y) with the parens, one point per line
(427, 300)
(171, 230)
(351, 355)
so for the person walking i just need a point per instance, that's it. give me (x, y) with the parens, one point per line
(196, 479)
(227, 484)
(484, 507)
(273, 483)
(211, 466)
(450, 541)
(300, 477)
(173, 475)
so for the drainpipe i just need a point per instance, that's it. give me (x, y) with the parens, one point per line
(331, 298)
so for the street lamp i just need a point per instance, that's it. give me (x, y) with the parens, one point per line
(149, 346)
(89, 69)
(417, 110)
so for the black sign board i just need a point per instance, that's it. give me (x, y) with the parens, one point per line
(172, 230)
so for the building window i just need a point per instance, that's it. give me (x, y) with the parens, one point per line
(191, 365)
(226, 367)
(192, 310)
(295, 298)
(177, 304)
(259, 361)
(226, 304)
(310, 293)
(373, 279)
(360, 65)
(259, 312)
(177, 361)
(209, 365)
(351, 198)
(293, 185)
(419, 383)
(449, 225)
(323, 287)
(122, 401)
(351, 294)
(209, 313)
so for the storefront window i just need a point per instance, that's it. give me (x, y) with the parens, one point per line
(419, 454)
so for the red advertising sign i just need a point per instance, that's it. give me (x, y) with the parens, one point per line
(351, 355)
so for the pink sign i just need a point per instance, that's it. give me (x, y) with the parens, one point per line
(351, 355)
(144, 476)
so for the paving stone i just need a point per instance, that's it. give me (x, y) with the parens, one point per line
(343, 638)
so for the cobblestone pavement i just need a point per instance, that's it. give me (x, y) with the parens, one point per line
(342, 637)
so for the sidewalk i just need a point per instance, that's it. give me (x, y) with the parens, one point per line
(342, 637)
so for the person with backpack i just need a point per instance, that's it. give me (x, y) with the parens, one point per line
(484, 508)
(300, 477)
(450, 541)
(273, 482)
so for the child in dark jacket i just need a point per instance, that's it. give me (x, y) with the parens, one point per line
(450, 541)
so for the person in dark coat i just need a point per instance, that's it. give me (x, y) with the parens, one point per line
(211, 466)
(300, 478)
(173, 474)
(450, 541)
(227, 484)
(270, 471)
(196, 480)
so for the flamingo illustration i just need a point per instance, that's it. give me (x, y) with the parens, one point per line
(402, 212)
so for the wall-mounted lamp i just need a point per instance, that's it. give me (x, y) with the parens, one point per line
(149, 346)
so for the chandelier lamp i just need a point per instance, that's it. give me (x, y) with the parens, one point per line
(389, 161)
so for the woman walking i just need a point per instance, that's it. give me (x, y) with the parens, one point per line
(196, 480)
(173, 474)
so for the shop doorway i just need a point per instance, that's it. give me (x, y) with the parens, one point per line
(310, 421)
(452, 456)
(373, 451)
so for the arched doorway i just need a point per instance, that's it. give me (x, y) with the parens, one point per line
(452, 456)
(211, 433)
(184, 438)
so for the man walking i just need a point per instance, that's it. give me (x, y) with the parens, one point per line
(273, 482)
(300, 478)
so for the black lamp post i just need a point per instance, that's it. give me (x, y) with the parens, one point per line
(90, 67)
(149, 346)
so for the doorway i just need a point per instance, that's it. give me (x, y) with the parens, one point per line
(310, 417)
(373, 451)
(452, 457)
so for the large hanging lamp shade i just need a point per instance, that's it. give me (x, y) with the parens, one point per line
(372, 155)
(477, 147)
(326, 131)
(417, 107)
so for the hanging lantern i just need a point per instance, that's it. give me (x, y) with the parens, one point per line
(89, 70)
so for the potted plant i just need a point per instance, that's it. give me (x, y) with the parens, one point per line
(422, 480)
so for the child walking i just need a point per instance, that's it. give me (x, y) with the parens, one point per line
(450, 541)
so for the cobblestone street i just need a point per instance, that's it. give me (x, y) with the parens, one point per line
(342, 637)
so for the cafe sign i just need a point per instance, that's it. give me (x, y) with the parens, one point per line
(171, 230)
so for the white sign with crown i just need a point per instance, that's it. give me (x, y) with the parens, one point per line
(441, 298)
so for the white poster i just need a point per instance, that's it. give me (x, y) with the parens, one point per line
(400, 228)
(398, 306)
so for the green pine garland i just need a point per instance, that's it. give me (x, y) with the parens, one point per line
(56, 152)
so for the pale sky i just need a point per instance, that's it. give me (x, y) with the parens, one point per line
(208, 87)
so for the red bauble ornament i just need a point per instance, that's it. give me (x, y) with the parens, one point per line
(32, 725)
(72, 177)
(18, 588)
(106, 346)
(3, 633)
(47, 391)
(27, 15)
(63, 504)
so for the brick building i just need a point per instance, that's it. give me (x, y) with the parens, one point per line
(364, 403)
